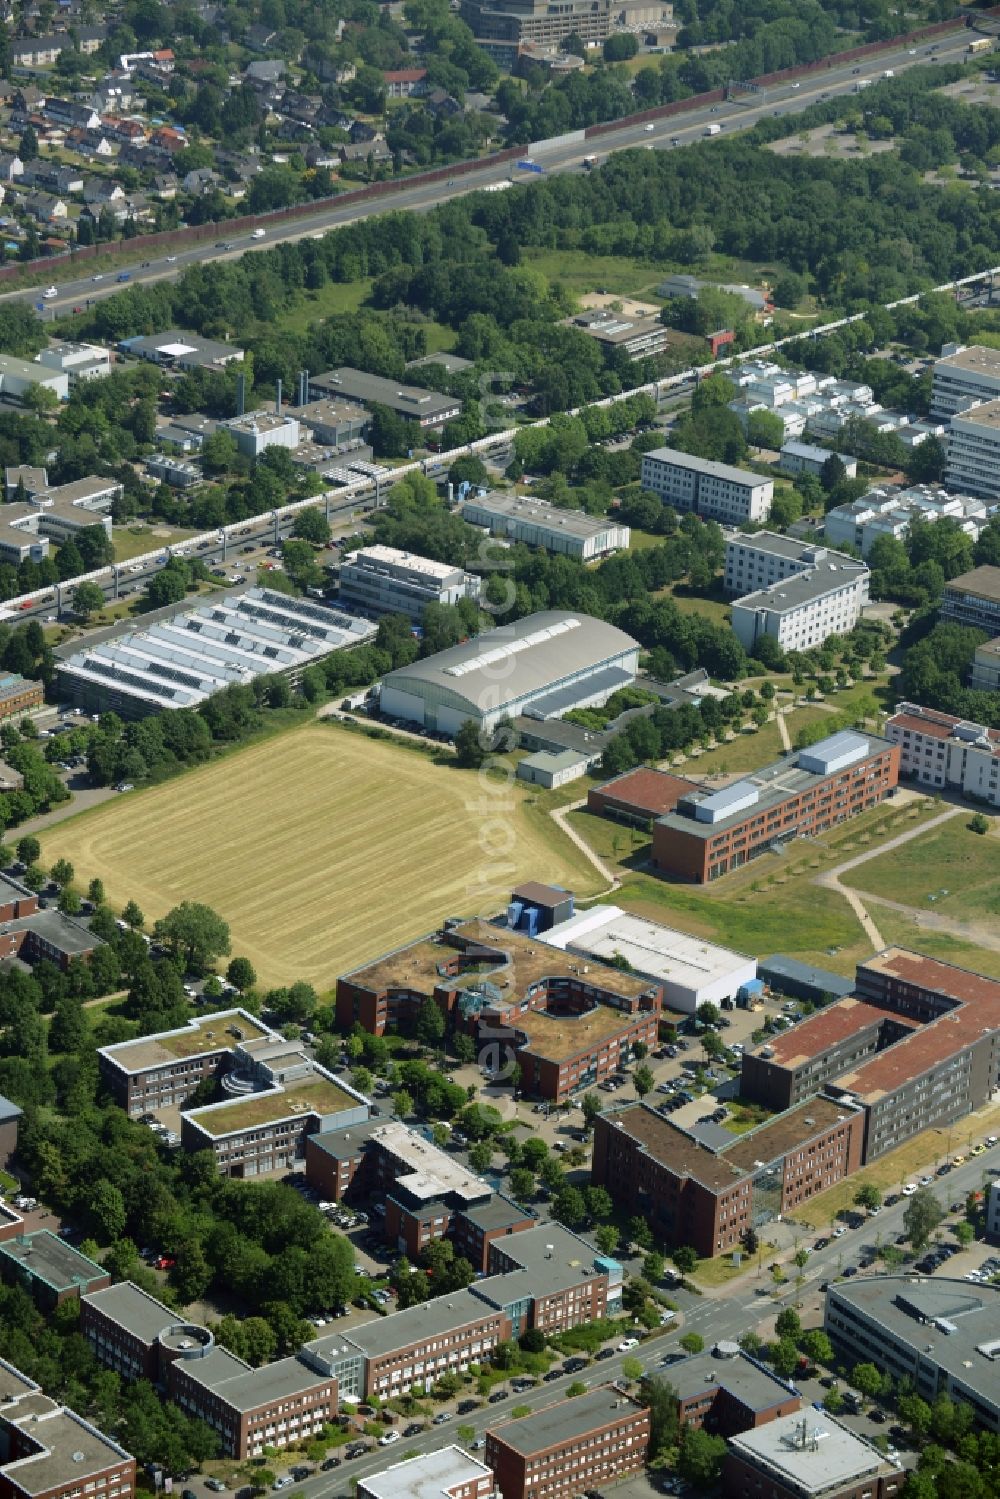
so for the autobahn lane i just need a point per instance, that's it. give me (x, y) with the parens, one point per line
(685, 128)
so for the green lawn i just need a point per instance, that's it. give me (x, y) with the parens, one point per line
(135, 541)
(902, 931)
(579, 272)
(615, 842)
(313, 306)
(748, 751)
(717, 609)
(950, 870)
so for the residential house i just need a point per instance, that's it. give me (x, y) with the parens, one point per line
(45, 208)
(201, 180)
(121, 131)
(93, 144)
(440, 102)
(270, 71)
(101, 190)
(168, 139)
(371, 151)
(165, 186)
(405, 83)
(11, 166)
(361, 132)
(42, 51)
(70, 114)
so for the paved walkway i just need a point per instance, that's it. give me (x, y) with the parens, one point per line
(558, 815)
(832, 881)
(779, 718)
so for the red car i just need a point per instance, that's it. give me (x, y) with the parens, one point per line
(165, 1262)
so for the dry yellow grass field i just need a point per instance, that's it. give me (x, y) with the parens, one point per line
(321, 848)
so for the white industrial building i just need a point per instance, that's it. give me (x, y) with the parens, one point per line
(255, 431)
(691, 970)
(542, 666)
(179, 662)
(943, 751)
(78, 361)
(715, 491)
(445, 1473)
(964, 375)
(806, 458)
(972, 464)
(810, 1455)
(536, 523)
(19, 375)
(889, 510)
(795, 592)
(385, 580)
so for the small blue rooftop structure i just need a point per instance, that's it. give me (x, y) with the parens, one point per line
(802, 980)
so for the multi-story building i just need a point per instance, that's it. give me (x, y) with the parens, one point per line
(705, 1187)
(985, 674)
(572, 1446)
(639, 337)
(448, 1473)
(536, 523)
(566, 1025)
(942, 1336)
(972, 451)
(10, 1120)
(890, 510)
(384, 580)
(80, 361)
(724, 1391)
(639, 796)
(276, 1405)
(715, 491)
(795, 592)
(47, 1451)
(974, 599)
(941, 750)
(428, 408)
(962, 377)
(993, 1213)
(547, 1278)
(332, 422)
(809, 1457)
(806, 458)
(28, 933)
(256, 431)
(503, 27)
(712, 833)
(19, 695)
(158, 1071)
(49, 1269)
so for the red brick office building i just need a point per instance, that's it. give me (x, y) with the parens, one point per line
(639, 796)
(564, 1449)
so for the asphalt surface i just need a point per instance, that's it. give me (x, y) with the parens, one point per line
(686, 128)
(740, 1307)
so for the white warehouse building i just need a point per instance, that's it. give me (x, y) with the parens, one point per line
(536, 523)
(542, 666)
(692, 971)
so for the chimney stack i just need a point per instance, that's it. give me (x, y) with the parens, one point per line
(277, 399)
(241, 394)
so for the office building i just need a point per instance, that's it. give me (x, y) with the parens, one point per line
(541, 665)
(809, 1457)
(50, 1270)
(963, 377)
(10, 1118)
(689, 970)
(972, 464)
(79, 361)
(889, 511)
(940, 750)
(547, 1278)
(163, 1070)
(536, 523)
(724, 1391)
(20, 375)
(332, 422)
(47, 1451)
(18, 695)
(26, 477)
(985, 675)
(973, 598)
(943, 1336)
(796, 593)
(637, 797)
(705, 1186)
(276, 1405)
(993, 1213)
(567, 1025)
(181, 661)
(806, 458)
(256, 431)
(384, 580)
(503, 27)
(640, 337)
(447, 1473)
(792, 1065)
(712, 833)
(567, 1448)
(427, 408)
(715, 491)
(182, 350)
(176, 472)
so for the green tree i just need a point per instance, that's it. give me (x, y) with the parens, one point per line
(132, 916)
(470, 750)
(701, 1457)
(784, 1357)
(28, 849)
(921, 1217)
(607, 1238)
(106, 1210)
(868, 1196)
(88, 598)
(429, 1024)
(979, 824)
(311, 525)
(867, 1380)
(653, 1267)
(787, 1324)
(685, 1258)
(692, 1342)
(642, 1080)
(816, 1345)
(241, 974)
(194, 933)
(632, 1369)
(62, 872)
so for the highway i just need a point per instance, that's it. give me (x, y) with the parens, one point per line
(685, 128)
(715, 1317)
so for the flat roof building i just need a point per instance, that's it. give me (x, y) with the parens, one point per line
(448, 1473)
(181, 661)
(49, 1452)
(180, 349)
(890, 510)
(384, 580)
(706, 1188)
(428, 408)
(798, 980)
(940, 750)
(565, 1448)
(640, 337)
(985, 674)
(973, 598)
(724, 1391)
(943, 1335)
(972, 451)
(715, 491)
(543, 664)
(256, 431)
(795, 592)
(962, 377)
(533, 522)
(50, 1270)
(639, 796)
(19, 694)
(806, 458)
(712, 833)
(19, 375)
(809, 1457)
(690, 971)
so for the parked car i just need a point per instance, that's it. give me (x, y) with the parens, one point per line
(328, 1465)
(216, 1485)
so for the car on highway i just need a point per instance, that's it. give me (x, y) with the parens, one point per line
(123, 276)
(51, 291)
(649, 129)
(171, 259)
(626, 1344)
(328, 1465)
(98, 277)
(389, 1438)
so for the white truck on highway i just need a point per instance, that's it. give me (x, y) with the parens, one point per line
(862, 83)
(712, 129)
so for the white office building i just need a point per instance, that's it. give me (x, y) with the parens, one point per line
(384, 580)
(963, 376)
(807, 458)
(822, 596)
(536, 523)
(715, 491)
(973, 451)
(691, 970)
(889, 510)
(255, 431)
(985, 675)
(941, 751)
(78, 361)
